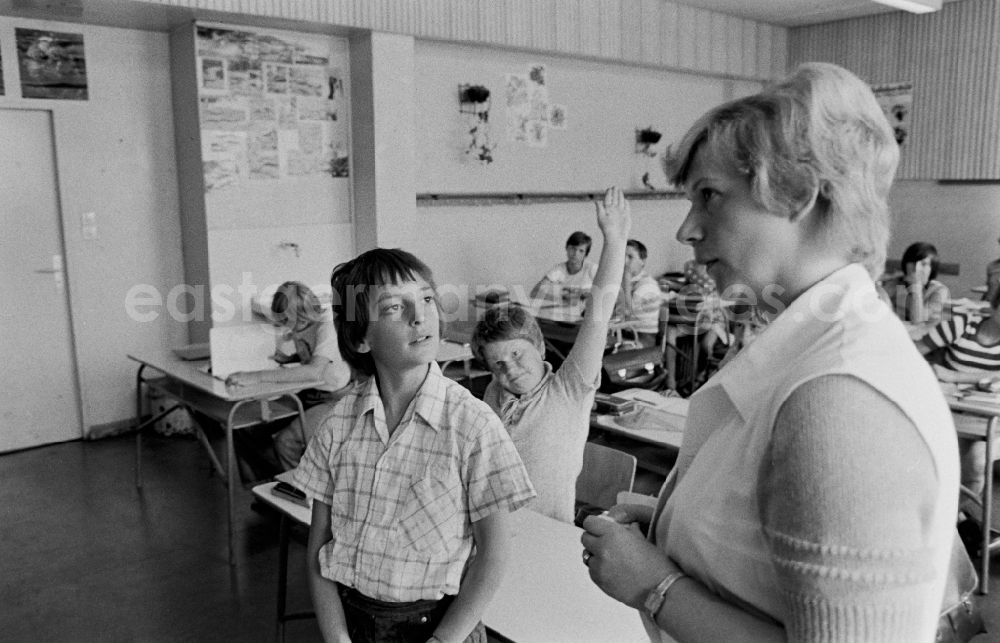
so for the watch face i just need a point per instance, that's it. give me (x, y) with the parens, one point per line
(653, 602)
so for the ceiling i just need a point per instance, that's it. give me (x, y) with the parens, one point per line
(142, 15)
(793, 13)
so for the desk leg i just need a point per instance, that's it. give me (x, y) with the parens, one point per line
(984, 562)
(231, 477)
(672, 359)
(138, 425)
(282, 575)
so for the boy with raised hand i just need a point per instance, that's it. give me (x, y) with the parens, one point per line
(548, 413)
(411, 477)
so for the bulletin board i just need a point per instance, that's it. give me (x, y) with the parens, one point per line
(273, 114)
(555, 124)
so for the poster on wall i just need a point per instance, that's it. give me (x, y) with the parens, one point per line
(528, 113)
(269, 108)
(52, 64)
(896, 100)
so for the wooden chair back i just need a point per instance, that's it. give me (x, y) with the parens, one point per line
(605, 473)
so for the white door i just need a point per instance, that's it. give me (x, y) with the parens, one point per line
(38, 385)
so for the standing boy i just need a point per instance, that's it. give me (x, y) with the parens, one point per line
(411, 477)
(548, 413)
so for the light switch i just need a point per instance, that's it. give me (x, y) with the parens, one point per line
(88, 225)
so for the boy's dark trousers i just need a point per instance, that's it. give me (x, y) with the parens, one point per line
(372, 621)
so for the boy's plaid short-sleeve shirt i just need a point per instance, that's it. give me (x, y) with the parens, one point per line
(402, 507)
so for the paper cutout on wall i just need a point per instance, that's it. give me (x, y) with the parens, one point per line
(52, 64)
(896, 100)
(557, 116)
(527, 100)
(279, 96)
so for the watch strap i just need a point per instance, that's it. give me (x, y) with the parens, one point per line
(656, 596)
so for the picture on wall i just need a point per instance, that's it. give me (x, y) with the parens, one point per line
(52, 64)
(528, 107)
(896, 101)
(280, 95)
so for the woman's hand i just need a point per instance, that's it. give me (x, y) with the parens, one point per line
(614, 215)
(243, 378)
(622, 562)
(629, 514)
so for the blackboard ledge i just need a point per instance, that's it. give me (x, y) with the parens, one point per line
(428, 199)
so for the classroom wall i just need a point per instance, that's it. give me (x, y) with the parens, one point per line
(952, 58)
(961, 219)
(115, 157)
(116, 153)
(513, 245)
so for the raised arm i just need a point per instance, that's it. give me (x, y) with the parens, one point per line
(615, 220)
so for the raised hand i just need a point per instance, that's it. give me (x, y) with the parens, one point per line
(614, 216)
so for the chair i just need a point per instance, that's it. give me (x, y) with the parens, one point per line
(605, 473)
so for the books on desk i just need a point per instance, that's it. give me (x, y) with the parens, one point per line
(613, 405)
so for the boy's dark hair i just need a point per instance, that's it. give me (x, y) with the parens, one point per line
(919, 251)
(353, 283)
(639, 246)
(580, 239)
(504, 322)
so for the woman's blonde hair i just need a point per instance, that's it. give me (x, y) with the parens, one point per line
(819, 134)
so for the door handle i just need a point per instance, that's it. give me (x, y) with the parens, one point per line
(47, 271)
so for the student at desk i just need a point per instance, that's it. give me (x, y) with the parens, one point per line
(412, 478)
(639, 298)
(969, 347)
(310, 329)
(548, 414)
(917, 296)
(573, 277)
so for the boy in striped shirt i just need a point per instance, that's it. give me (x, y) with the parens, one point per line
(970, 347)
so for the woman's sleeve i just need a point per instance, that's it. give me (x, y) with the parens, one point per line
(847, 499)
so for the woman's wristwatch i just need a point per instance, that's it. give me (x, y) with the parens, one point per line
(656, 596)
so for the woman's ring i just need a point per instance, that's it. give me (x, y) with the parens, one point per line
(586, 557)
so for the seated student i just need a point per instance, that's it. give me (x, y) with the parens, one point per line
(411, 477)
(310, 328)
(572, 277)
(917, 296)
(992, 279)
(970, 347)
(639, 298)
(548, 414)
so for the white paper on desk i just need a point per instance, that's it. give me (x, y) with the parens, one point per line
(651, 419)
(242, 348)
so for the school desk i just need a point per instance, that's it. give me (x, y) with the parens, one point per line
(657, 419)
(235, 407)
(546, 594)
(986, 406)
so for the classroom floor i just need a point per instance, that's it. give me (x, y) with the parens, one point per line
(87, 557)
